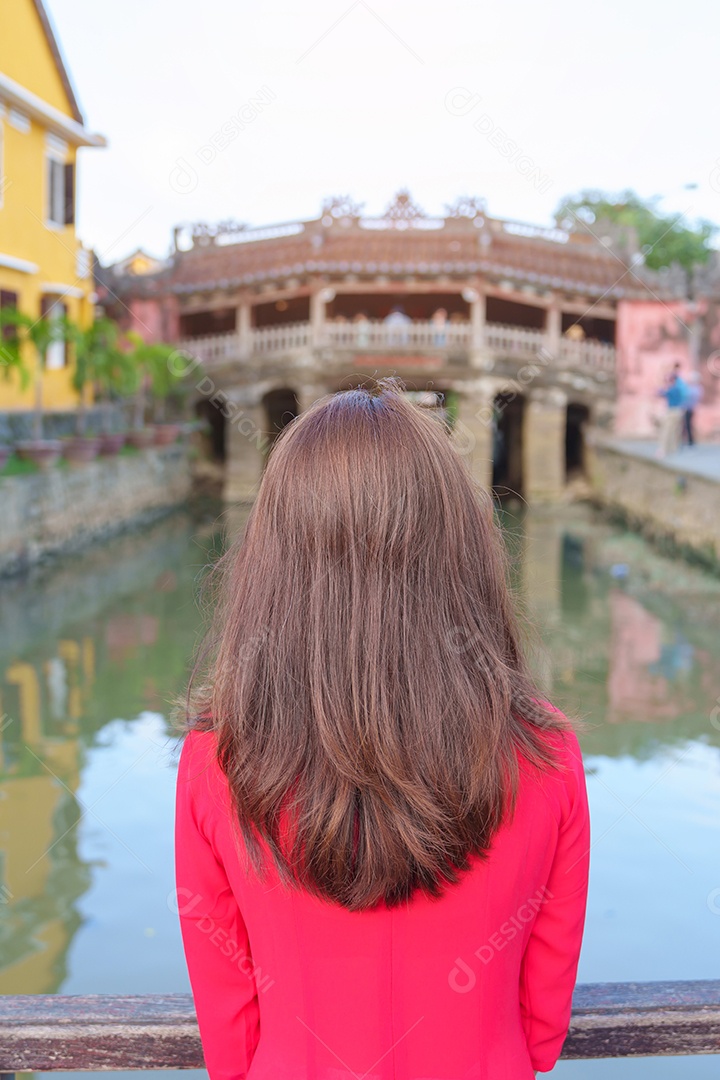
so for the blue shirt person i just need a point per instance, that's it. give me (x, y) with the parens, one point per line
(675, 394)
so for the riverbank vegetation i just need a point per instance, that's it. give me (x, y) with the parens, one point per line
(132, 385)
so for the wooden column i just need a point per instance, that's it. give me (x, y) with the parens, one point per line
(476, 299)
(243, 326)
(477, 320)
(544, 425)
(553, 327)
(317, 316)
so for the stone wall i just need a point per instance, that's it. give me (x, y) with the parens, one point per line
(18, 424)
(677, 509)
(64, 508)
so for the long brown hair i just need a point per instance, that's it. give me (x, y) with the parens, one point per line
(368, 690)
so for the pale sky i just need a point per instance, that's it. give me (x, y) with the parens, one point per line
(612, 95)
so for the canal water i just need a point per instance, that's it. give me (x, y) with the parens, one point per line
(94, 650)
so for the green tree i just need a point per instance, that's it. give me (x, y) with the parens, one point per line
(100, 364)
(37, 334)
(664, 239)
(153, 375)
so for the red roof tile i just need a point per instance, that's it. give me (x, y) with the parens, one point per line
(457, 249)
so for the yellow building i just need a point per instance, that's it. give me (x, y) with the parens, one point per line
(43, 267)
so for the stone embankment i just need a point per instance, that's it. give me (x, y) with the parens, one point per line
(62, 509)
(674, 501)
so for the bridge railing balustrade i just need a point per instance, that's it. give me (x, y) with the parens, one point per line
(505, 342)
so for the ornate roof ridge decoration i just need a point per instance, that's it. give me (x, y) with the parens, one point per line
(403, 211)
(466, 206)
(203, 234)
(340, 206)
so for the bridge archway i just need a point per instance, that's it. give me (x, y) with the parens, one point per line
(507, 444)
(250, 435)
(281, 406)
(578, 417)
(215, 429)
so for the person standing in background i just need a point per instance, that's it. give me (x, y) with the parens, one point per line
(693, 397)
(675, 394)
(399, 321)
(439, 321)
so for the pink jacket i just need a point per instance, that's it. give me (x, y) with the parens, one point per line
(474, 986)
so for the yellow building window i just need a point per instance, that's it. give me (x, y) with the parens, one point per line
(60, 184)
(56, 355)
(8, 299)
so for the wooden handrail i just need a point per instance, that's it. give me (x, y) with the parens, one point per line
(501, 340)
(48, 1032)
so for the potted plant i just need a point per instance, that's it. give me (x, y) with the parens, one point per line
(38, 333)
(164, 384)
(139, 359)
(11, 362)
(100, 367)
(153, 379)
(116, 379)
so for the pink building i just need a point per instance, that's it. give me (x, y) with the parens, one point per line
(651, 336)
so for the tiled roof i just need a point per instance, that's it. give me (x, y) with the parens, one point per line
(456, 249)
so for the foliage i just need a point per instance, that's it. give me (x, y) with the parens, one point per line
(153, 372)
(12, 360)
(99, 360)
(664, 239)
(104, 360)
(100, 363)
(40, 333)
(15, 466)
(151, 365)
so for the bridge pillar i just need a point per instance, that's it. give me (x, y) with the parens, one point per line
(544, 445)
(553, 327)
(308, 394)
(476, 299)
(473, 431)
(318, 299)
(243, 328)
(246, 444)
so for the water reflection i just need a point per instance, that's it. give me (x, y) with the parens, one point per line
(93, 652)
(633, 648)
(103, 637)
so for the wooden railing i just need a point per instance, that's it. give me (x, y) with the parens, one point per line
(212, 349)
(377, 334)
(596, 355)
(526, 344)
(278, 339)
(98, 1033)
(503, 342)
(515, 341)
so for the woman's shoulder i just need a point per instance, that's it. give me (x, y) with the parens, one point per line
(198, 767)
(563, 779)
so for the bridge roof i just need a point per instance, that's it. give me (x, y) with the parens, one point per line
(231, 256)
